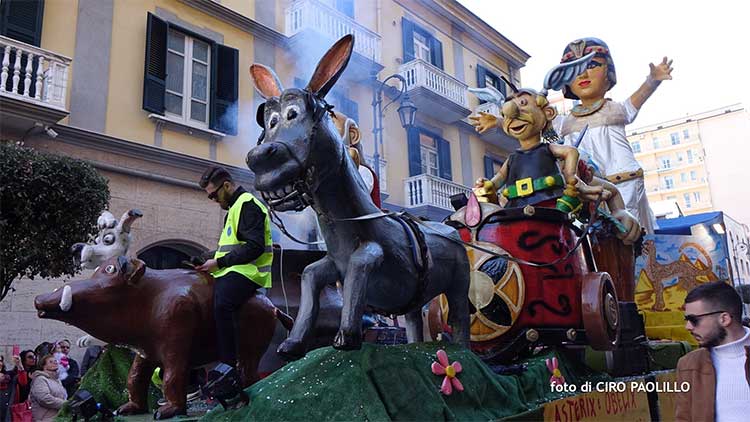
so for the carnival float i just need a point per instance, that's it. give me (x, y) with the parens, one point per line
(528, 289)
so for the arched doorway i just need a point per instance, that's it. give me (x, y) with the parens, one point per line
(169, 254)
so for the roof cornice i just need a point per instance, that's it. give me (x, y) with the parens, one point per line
(225, 14)
(478, 29)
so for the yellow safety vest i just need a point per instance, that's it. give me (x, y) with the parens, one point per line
(259, 271)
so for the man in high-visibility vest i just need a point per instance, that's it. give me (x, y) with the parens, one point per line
(242, 262)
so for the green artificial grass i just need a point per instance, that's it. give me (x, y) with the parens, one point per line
(395, 383)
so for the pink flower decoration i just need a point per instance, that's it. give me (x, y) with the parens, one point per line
(557, 377)
(442, 367)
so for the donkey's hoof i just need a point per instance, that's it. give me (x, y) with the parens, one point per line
(169, 411)
(131, 408)
(291, 350)
(347, 341)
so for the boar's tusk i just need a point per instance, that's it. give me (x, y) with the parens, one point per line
(67, 299)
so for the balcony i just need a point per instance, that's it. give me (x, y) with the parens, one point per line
(312, 27)
(431, 195)
(33, 86)
(497, 136)
(434, 92)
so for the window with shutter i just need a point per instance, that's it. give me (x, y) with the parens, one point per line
(420, 44)
(188, 79)
(22, 20)
(428, 154)
(486, 78)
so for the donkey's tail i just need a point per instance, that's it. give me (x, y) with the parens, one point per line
(286, 320)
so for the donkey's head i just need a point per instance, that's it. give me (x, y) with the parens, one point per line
(299, 146)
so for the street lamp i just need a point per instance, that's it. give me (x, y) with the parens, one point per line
(407, 111)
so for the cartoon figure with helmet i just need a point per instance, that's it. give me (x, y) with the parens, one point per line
(605, 141)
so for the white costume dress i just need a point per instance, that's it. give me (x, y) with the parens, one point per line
(607, 145)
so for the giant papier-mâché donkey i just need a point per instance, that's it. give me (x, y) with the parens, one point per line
(301, 161)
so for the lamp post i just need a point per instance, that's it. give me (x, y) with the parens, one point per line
(406, 112)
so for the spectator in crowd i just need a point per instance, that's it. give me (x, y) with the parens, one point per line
(25, 367)
(5, 389)
(67, 371)
(47, 392)
(44, 349)
(719, 371)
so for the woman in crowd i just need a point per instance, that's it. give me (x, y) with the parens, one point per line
(23, 375)
(47, 392)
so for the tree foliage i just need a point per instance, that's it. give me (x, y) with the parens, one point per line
(47, 203)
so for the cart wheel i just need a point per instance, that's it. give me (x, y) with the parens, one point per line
(601, 315)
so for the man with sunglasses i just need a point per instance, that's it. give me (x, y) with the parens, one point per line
(242, 262)
(719, 371)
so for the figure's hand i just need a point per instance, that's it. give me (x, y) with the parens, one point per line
(484, 122)
(208, 266)
(590, 193)
(17, 362)
(632, 227)
(485, 190)
(479, 183)
(662, 71)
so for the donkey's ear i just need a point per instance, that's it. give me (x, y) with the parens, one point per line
(265, 80)
(331, 66)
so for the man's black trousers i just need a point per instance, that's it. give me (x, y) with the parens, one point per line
(231, 291)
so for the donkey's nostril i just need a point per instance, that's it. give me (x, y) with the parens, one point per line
(260, 153)
(271, 150)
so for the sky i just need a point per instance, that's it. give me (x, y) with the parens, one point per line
(708, 41)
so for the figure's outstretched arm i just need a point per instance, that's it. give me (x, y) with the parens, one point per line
(485, 121)
(659, 73)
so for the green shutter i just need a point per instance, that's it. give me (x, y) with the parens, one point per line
(481, 81)
(224, 89)
(436, 52)
(407, 30)
(444, 158)
(415, 157)
(489, 168)
(155, 72)
(22, 20)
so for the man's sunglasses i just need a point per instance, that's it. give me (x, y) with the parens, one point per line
(215, 194)
(696, 319)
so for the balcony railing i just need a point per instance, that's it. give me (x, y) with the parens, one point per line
(426, 189)
(312, 14)
(32, 74)
(419, 73)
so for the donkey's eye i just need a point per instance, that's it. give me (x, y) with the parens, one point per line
(291, 113)
(273, 121)
(110, 269)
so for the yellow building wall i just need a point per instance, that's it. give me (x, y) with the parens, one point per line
(59, 35)
(125, 117)
(243, 7)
